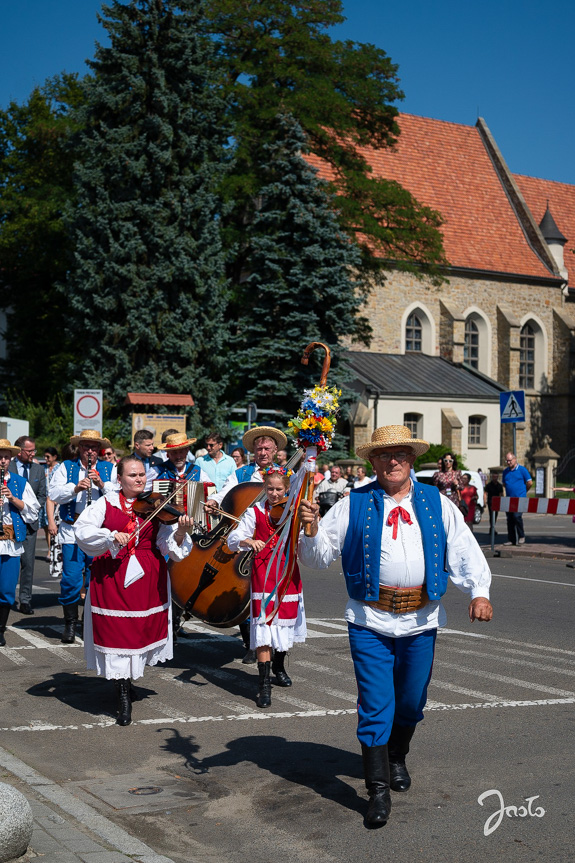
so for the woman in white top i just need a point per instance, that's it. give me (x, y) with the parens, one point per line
(127, 616)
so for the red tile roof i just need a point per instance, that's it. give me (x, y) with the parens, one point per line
(446, 166)
(561, 197)
(159, 399)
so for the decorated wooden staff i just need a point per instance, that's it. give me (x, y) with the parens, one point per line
(315, 422)
(312, 430)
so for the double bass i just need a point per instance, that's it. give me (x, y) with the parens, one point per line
(213, 583)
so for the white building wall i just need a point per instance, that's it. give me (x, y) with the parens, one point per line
(391, 411)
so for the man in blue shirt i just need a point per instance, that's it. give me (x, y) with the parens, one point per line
(517, 481)
(216, 463)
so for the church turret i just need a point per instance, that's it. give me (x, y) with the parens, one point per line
(554, 239)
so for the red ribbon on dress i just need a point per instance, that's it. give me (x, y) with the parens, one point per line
(394, 516)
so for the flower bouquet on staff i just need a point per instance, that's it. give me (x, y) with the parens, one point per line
(312, 430)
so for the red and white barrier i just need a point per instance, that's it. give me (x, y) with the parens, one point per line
(541, 505)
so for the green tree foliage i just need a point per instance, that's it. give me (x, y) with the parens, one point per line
(147, 288)
(279, 57)
(302, 283)
(35, 189)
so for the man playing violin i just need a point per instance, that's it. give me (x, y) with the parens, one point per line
(75, 485)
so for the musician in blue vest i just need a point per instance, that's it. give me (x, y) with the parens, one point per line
(20, 507)
(177, 466)
(399, 541)
(263, 442)
(74, 487)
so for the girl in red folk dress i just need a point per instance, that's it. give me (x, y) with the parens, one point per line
(255, 531)
(127, 615)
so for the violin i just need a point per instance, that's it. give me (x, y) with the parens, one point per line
(277, 510)
(153, 503)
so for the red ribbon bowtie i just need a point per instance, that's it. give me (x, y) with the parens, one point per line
(394, 516)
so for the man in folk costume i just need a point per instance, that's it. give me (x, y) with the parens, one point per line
(75, 484)
(399, 541)
(177, 466)
(263, 442)
(20, 507)
(23, 464)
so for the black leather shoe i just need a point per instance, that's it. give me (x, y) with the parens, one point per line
(379, 809)
(376, 772)
(264, 696)
(25, 608)
(124, 702)
(399, 778)
(278, 669)
(250, 657)
(282, 679)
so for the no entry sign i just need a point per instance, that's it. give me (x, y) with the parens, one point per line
(87, 410)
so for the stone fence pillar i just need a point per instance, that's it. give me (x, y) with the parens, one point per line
(545, 468)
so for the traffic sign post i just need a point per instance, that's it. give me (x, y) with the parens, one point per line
(512, 410)
(88, 410)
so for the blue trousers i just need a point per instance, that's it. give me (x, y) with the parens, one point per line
(9, 572)
(74, 561)
(392, 677)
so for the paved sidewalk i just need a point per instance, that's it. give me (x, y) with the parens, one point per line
(66, 829)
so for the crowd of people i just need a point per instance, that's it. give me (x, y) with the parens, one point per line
(399, 542)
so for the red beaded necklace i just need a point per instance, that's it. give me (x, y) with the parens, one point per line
(127, 509)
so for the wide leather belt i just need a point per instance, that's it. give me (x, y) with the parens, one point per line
(399, 600)
(8, 532)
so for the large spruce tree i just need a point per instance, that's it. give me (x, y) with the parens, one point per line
(302, 280)
(279, 56)
(147, 292)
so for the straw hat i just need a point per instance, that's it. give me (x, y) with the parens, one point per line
(386, 436)
(86, 435)
(277, 435)
(177, 441)
(5, 444)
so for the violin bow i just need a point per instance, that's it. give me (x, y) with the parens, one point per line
(153, 514)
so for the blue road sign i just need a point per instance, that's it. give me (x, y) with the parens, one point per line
(512, 406)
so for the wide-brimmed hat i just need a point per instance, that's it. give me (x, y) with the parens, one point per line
(177, 441)
(255, 432)
(5, 444)
(86, 435)
(392, 436)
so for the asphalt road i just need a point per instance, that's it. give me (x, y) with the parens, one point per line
(202, 775)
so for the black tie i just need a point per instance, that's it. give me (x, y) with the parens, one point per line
(25, 471)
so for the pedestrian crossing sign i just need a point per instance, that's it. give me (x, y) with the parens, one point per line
(512, 406)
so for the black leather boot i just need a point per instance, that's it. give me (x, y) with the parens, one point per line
(250, 656)
(264, 696)
(4, 612)
(376, 772)
(124, 701)
(398, 747)
(70, 621)
(278, 669)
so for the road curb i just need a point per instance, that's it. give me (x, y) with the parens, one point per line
(72, 809)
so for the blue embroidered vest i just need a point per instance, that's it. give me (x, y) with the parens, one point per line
(104, 468)
(361, 551)
(168, 471)
(245, 473)
(17, 484)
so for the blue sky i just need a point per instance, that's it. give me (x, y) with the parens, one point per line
(509, 61)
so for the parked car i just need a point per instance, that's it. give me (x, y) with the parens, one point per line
(426, 476)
